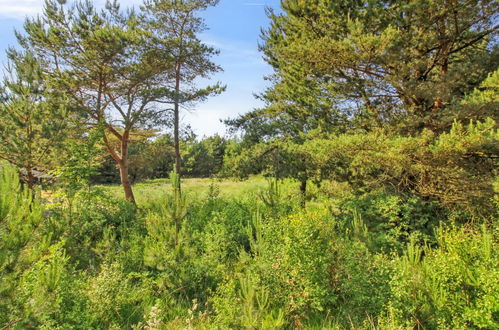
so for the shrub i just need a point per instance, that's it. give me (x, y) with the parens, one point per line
(453, 286)
(49, 294)
(116, 299)
(289, 261)
(457, 169)
(20, 215)
(392, 220)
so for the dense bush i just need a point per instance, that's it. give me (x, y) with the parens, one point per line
(392, 220)
(20, 216)
(456, 168)
(366, 260)
(454, 286)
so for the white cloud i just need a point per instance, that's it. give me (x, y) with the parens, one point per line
(20, 8)
(232, 50)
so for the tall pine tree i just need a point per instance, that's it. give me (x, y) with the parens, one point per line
(175, 26)
(386, 62)
(102, 64)
(33, 116)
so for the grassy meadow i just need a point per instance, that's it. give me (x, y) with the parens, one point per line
(193, 187)
(199, 188)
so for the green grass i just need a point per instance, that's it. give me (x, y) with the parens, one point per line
(196, 188)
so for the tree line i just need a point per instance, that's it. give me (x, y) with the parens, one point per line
(152, 158)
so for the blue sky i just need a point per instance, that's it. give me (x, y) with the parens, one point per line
(234, 29)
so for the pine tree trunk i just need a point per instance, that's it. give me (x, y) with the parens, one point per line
(123, 163)
(125, 181)
(303, 191)
(178, 160)
(30, 180)
(176, 124)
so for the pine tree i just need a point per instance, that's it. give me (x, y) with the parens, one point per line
(101, 63)
(175, 27)
(33, 117)
(20, 215)
(385, 62)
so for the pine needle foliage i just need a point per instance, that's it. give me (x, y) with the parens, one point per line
(164, 242)
(20, 214)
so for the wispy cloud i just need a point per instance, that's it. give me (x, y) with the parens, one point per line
(234, 52)
(253, 4)
(20, 8)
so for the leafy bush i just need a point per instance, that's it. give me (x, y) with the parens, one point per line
(116, 299)
(288, 259)
(392, 220)
(93, 228)
(456, 169)
(20, 215)
(46, 289)
(361, 280)
(454, 286)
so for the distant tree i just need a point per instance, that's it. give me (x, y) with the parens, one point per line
(152, 158)
(273, 135)
(278, 157)
(204, 158)
(175, 26)
(102, 64)
(141, 161)
(32, 123)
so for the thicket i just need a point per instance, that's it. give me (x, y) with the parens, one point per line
(376, 260)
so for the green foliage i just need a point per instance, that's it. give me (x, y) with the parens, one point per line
(204, 158)
(482, 101)
(165, 229)
(94, 228)
(454, 286)
(391, 221)
(272, 195)
(79, 163)
(49, 286)
(201, 158)
(20, 215)
(285, 261)
(144, 160)
(379, 62)
(255, 307)
(110, 266)
(361, 281)
(117, 299)
(455, 168)
(33, 116)
(379, 112)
